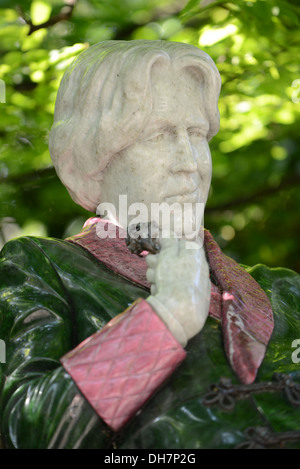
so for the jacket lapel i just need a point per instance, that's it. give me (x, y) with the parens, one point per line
(237, 300)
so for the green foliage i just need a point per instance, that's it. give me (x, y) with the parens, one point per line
(254, 200)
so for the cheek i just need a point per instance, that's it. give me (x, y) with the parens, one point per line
(203, 158)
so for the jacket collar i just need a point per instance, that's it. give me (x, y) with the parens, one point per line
(237, 300)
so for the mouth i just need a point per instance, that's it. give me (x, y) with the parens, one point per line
(187, 197)
(185, 189)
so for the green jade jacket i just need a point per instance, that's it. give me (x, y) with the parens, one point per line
(55, 294)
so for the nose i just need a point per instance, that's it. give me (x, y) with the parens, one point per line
(184, 159)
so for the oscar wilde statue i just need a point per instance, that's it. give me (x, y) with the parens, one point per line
(179, 348)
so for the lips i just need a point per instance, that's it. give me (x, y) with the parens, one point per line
(189, 193)
(188, 197)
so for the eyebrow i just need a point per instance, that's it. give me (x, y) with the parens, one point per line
(164, 123)
(201, 123)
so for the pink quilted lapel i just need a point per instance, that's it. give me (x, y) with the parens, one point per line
(112, 252)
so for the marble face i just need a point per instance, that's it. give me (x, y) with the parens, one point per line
(170, 161)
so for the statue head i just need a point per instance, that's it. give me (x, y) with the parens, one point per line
(135, 118)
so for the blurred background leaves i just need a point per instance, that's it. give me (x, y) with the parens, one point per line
(253, 208)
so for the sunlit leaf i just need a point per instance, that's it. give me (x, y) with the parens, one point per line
(40, 11)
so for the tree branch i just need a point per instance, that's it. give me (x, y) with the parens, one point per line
(50, 172)
(26, 178)
(64, 14)
(265, 192)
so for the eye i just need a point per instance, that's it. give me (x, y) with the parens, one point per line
(160, 135)
(196, 132)
(155, 137)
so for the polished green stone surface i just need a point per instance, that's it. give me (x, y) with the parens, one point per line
(54, 294)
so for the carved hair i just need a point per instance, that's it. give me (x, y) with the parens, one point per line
(104, 102)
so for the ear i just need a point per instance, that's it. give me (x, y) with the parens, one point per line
(84, 190)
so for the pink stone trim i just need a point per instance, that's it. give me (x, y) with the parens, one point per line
(120, 367)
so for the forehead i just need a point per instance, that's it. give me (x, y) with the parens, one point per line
(176, 93)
